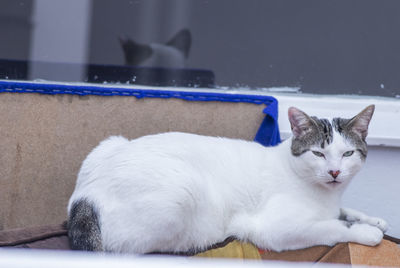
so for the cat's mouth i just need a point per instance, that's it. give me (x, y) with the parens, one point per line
(334, 182)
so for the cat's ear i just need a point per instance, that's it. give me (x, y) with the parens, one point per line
(181, 41)
(300, 122)
(359, 123)
(134, 52)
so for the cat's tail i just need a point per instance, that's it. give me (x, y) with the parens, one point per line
(83, 227)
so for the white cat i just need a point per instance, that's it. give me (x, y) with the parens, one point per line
(177, 192)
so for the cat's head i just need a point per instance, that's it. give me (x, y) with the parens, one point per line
(329, 152)
(172, 54)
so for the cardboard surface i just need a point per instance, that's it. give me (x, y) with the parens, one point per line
(386, 254)
(45, 138)
(306, 255)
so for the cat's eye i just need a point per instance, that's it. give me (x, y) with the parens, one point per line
(319, 154)
(348, 153)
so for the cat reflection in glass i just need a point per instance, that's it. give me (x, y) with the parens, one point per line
(171, 54)
(177, 192)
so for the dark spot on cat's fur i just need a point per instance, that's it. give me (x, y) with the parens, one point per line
(83, 227)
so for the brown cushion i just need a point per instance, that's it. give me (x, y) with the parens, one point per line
(41, 237)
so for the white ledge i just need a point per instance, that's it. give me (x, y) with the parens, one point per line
(384, 129)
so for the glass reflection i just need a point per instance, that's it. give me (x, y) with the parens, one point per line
(310, 46)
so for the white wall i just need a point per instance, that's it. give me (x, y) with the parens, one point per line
(375, 189)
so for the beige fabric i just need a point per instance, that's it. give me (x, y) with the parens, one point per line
(45, 138)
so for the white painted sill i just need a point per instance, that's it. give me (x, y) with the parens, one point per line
(384, 129)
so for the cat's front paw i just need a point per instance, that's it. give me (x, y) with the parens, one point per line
(378, 222)
(366, 234)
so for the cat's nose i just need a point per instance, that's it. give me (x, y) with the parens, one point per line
(335, 173)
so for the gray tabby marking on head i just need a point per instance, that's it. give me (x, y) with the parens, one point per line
(325, 128)
(355, 130)
(341, 125)
(311, 131)
(308, 131)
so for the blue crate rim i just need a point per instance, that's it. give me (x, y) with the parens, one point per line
(82, 90)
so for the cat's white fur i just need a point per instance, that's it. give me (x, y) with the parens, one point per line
(176, 191)
(164, 56)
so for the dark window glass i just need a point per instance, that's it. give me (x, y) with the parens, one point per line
(310, 46)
